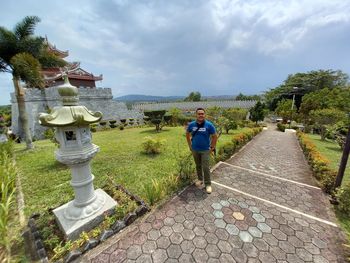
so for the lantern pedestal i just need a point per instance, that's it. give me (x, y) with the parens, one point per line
(73, 227)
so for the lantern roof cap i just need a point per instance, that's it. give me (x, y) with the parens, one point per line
(71, 114)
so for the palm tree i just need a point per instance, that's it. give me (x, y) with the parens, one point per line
(22, 54)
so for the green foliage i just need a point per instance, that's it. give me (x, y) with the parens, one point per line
(257, 113)
(319, 164)
(193, 96)
(153, 145)
(306, 83)
(325, 117)
(237, 141)
(8, 174)
(157, 118)
(281, 127)
(343, 196)
(154, 191)
(185, 167)
(93, 127)
(240, 96)
(227, 124)
(284, 109)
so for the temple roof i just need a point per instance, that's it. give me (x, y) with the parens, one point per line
(73, 69)
(56, 51)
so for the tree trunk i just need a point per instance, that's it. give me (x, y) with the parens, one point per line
(323, 133)
(22, 114)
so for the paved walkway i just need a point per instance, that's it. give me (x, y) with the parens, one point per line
(265, 207)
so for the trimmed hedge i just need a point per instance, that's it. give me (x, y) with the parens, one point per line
(319, 164)
(238, 140)
(281, 127)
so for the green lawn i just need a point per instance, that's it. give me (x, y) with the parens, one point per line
(45, 182)
(332, 151)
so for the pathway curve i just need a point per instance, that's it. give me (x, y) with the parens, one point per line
(265, 207)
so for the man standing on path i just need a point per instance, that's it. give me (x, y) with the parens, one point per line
(201, 138)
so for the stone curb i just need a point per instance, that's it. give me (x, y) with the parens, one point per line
(36, 244)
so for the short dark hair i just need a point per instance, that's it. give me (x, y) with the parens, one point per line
(200, 109)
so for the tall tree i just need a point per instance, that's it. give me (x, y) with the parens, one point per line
(193, 96)
(257, 113)
(22, 54)
(306, 82)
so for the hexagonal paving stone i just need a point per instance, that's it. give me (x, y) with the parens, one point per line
(261, 244)
(245, 236)
(250, 250)
(163, 242)
(186, 258)
(266, 257)
(166, 231)
(216, 206)
(174, 251)
(264, 227)
(238, 215)
(233, 200)
(243, 205)
(239, 255)
(224, 246)
(258, 217)
(200, 255)
(220, 223)
(221, 234)
(225, 203)
(177, 227)
(200, 242)
(213, 251)
(176, 238)
(188, 234)
(211, 238)
(279, 234)
(134, 252)
(187, 246)
(159, 255)
(218, 214)
(153, 234)
(149, 246)
(232, 229)
(142, 259)
(254, 231)
(254, 209)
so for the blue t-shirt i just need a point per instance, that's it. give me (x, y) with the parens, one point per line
(201, 140)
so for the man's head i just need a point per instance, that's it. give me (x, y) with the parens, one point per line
(200, 115)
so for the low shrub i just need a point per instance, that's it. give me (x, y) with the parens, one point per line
(93, 127)
(343, 196)
(185, 167)
(153, 146)
(8, 174)
(238, 140)
(319, 164)
(155, 191)
(281, 127)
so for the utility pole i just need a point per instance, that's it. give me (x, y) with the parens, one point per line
(343, 161)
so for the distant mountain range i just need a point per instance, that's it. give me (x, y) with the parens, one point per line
(149, 98)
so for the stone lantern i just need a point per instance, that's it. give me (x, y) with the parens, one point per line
(72, 131)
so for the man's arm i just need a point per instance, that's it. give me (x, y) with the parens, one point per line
(214, 139)
(188, 138)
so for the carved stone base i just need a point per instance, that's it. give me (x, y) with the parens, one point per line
(73, 227)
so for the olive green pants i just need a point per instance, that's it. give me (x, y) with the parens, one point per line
(201, 158)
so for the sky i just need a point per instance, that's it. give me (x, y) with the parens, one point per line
(216, 47)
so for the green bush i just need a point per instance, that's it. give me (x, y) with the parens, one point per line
(154, 191)
(7, 196)
(93, 127)
(153, 146)
(343, 197)
(237, 141)
(281, 127)
(185, 168)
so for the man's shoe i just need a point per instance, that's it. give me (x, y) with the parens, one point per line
(198, 183)
(208, 189)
